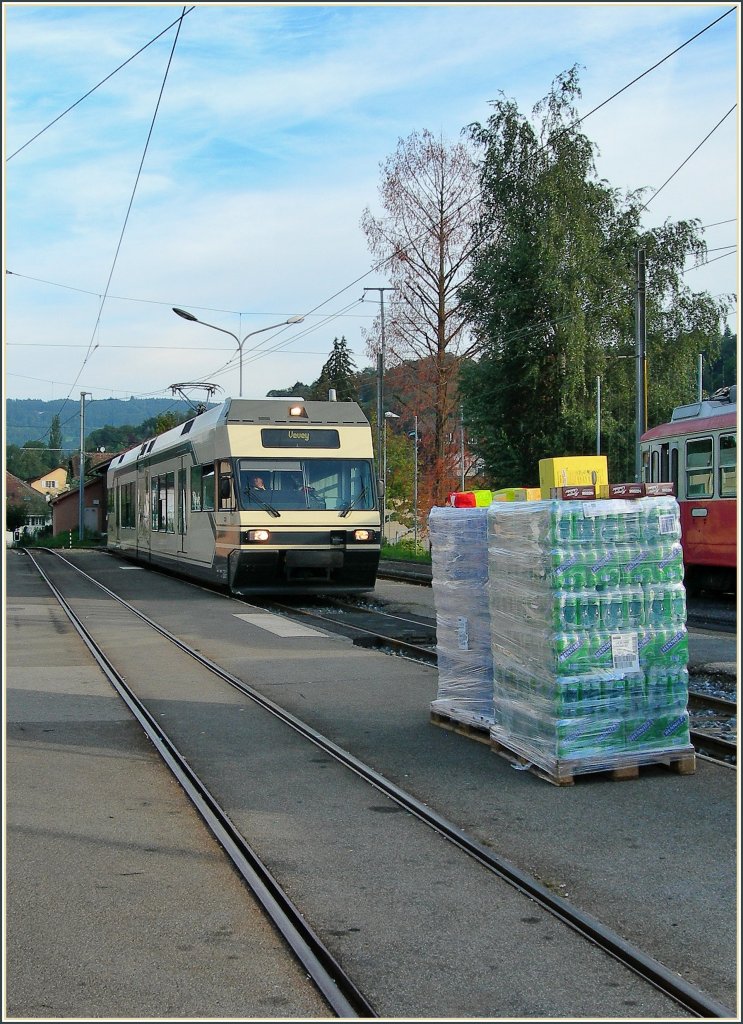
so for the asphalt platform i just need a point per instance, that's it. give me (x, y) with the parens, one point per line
(120, 906)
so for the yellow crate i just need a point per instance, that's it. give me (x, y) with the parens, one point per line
(517, 494)
(570, 470)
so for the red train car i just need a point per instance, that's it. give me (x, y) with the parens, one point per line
(697, 452)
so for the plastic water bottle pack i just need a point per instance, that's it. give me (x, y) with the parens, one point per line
(588, 630)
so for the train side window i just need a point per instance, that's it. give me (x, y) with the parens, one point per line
(207, 488)
(664, 463)
(226, 489)
(646, 471)
(154, 504)
(196, 488)
(169, 479)
(699, 479)
(126, 506)
(674, 477)
(654, 466)
(728, 466)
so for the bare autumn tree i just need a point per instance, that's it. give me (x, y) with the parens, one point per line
(423, 241)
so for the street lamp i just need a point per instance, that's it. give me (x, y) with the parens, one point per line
(380, 369)
(194, 319)
(387, 416)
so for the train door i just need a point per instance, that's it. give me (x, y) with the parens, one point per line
(182, 506)
(661, 465)
(699, 491)
(143, 542)
(112, 497)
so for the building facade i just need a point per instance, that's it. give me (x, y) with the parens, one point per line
(51, 484)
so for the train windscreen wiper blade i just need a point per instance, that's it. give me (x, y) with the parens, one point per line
(359, 496)
(264, 505)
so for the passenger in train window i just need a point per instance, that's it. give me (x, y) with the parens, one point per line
(256, 483)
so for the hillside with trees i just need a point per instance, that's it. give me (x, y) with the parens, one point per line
(30, 419)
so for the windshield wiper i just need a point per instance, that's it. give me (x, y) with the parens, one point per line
(264, 505)
(359, 496)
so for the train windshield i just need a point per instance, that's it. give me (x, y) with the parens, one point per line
(311, 484)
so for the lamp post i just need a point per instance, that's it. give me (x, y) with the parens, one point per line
(194, 319)
(380, 369)
(387, 416)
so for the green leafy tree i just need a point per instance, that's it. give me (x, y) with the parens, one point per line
(115, 439)
(297, 390)
(166, 421)
(552, 298)
(28, 462)
(723, 371)
(56, 455)
(338, 372)
(15, 516)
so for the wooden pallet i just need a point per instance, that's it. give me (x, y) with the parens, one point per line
(568, 772)
(473, 732)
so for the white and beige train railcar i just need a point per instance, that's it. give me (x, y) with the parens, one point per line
(254, 495)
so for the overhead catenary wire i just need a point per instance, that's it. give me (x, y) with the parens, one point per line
(102, 82)
(92, 347)
(381, 263)
(688, 158)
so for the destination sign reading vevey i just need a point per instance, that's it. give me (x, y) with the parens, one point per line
(299, 437)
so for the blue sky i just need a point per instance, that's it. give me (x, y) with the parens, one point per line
(266, 149)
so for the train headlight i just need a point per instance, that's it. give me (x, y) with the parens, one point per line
(363, 536)
(256, 536)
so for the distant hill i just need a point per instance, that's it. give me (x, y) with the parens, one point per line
(29, 419)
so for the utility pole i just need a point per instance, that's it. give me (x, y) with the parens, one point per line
(598, 415)
(641, 410)
(380, 384)
(81, 486)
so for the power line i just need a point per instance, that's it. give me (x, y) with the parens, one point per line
(379, 265)
(707, 136)
(91, 347)
(102, 82)
(656, 65)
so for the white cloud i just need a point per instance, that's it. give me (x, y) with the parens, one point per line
(266, 149)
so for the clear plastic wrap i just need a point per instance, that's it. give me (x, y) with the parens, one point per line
(459, 555)
(588, 632)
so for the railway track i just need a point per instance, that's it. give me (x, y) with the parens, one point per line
(72, 587)
(706, 613)
(415, 637)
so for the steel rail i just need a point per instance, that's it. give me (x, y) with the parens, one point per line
(372, 639)
(337, 988)
(671, 984)
(715, 747)
(698, 699)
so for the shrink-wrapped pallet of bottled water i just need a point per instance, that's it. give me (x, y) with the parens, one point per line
(459, 557)
(588, 630)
